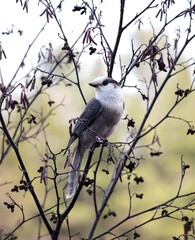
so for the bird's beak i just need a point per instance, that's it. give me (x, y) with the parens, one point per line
(94, 84)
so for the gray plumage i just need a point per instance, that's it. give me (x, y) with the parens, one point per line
(99, 118)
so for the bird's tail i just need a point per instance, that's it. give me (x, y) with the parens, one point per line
(74, 174)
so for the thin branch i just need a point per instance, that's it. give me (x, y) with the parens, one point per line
(95, 177)
(25, 172)
(162, 205)
(26, 53)
(119, 34)
(139, 14)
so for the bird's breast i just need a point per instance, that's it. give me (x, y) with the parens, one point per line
(109, 119)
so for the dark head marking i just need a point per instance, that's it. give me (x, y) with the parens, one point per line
(110, 80)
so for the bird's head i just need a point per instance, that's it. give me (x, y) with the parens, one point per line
(107, 88)
(104, 84)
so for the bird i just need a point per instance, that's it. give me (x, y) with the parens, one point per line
(98, 120)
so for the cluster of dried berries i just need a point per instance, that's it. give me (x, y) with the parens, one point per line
(138, 179)
(10, 206)
(164, 212)
(180, 92)
(32, 119)
(51, 103)
(40, 169)
(110, 213)
(175, 238)
(136, 235)
(185, 218)
(131, 166)
(140, 196)
(66, 47)
(54, 218)
(144, 97)
(77, 8)
(92, 50)
(71, 56)
(12, 237)
(130, 123)
(161, 64)
(186, 167)
(46, 81)
(190, 131)
(155, 153)
(15, 189)
(88, 182)
(89, 191)
(106, 171)
(23, 186)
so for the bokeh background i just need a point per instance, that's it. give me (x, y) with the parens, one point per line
(161, 174)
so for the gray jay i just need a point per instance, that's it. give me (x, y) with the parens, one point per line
(99, 118)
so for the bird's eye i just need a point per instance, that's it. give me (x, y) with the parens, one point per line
(105, 83)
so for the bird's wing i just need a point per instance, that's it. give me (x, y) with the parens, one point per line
(91, 111)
